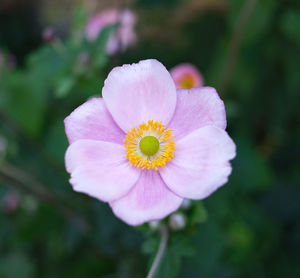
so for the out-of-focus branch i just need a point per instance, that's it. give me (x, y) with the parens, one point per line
(26, 182)
(191, 9)
(235, 45)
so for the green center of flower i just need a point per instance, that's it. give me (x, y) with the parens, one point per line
(149, 145)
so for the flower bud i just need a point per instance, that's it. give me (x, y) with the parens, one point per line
(154, 225)
(11, 202)
(177, 221)
(83, 58)
(48, 34)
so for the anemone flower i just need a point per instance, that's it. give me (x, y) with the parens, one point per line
(186, 76)
(144, 146)
(124, 35)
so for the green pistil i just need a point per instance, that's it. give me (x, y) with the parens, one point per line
(149, 145)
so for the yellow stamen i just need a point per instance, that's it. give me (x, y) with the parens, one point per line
(187, 81)
(166, 146)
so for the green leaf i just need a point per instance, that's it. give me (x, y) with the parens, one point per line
(290, 25)
(64, 86)
(16, 265)
(199, 213)
(56, 140)
(208, 244)
(24, 101)
(251, 170)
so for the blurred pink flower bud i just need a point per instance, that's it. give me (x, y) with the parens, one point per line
(48, 34)
(7, 61)
(84, 58)
(123, 37)
(12, 61)
(11, 202)
(186, 76)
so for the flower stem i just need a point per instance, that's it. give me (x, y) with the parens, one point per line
(164, 232)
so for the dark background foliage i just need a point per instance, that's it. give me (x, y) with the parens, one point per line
(249, 50)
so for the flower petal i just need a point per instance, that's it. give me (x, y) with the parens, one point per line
(201, 163)
(100, 169)
(92, 120)
(196, 108)
(148, 200)
(140, 92)
(97, 22)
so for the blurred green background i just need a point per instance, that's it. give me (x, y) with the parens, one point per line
(249, 50)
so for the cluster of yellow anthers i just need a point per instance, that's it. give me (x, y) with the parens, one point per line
(164, 153)
(188, 81)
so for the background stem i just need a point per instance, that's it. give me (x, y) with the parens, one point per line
(164, 232)
(235, 45)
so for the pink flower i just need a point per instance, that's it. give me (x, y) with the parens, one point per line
(11, 202)
(143, 147)
(186, 76)
(124, 35)
(48, 34)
